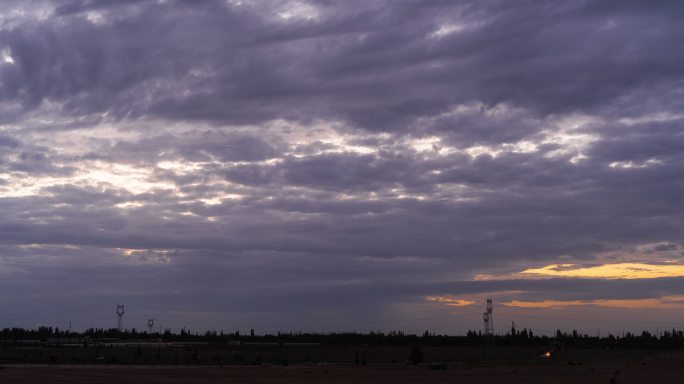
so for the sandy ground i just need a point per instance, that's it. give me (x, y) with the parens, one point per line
(660, 368)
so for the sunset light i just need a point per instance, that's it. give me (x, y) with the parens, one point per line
(609, 271)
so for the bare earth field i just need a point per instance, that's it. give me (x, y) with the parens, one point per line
(651, 368)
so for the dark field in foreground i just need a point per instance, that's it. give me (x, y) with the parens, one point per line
(608, 367)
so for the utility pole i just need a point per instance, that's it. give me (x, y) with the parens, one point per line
(150, 324)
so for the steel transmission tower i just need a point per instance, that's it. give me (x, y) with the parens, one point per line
(488, 317)
(119, 313)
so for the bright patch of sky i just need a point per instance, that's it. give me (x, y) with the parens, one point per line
(674, 301)
(636, 165)
(450, 301)
(298, 10)
(6, 56)
(609, 271)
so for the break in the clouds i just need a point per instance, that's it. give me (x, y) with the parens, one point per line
(324, 165)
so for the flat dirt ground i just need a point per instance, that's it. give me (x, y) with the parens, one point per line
(653, 368)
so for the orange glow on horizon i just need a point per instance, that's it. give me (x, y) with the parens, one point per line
(450, 301)
(675, 301)
(609, 271)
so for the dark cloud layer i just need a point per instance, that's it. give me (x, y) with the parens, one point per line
(294, 160)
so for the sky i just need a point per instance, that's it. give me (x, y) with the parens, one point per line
(342, 165)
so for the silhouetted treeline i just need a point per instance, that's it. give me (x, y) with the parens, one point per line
(514, 338)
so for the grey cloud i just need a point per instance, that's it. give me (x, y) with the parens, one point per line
(278, 223)
(250, 174)
(196, 146)
(30, 159)
(343, 171)
(375, 72)
(236, 148)
(665, 247)
(8, 141)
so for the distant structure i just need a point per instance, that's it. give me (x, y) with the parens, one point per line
(150, 324)
(119, 313)
(488, 317)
